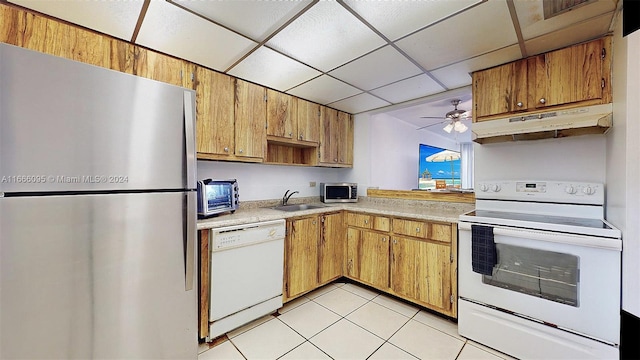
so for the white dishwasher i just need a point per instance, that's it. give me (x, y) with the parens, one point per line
(246, 274)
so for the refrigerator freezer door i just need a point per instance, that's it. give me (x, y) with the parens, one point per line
(96, 276)
(69, 126)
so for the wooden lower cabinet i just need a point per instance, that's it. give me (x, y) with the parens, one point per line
(331, 248)
(421, 270)
(301, 256)
(368, 257)
(314, 252)
(411, 258)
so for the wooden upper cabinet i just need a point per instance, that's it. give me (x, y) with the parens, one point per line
(36, 32)
(336, 138)
(308, 115)
(160, 67)
(215, 106)
(574, 74)
(250, 120)
(503, 89)
(345, 138)
(578, 75)
(293, 119)
(281, 115)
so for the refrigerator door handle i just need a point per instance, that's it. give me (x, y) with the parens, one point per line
(190, 243)
(190, 136)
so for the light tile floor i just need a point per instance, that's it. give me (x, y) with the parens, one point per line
(346, 321)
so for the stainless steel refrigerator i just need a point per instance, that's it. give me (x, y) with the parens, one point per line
(97, 212)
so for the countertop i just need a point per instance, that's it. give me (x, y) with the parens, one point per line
(424, 210)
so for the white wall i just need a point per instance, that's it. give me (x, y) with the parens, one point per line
(580, 158)
(623, 167)
(386, 152)
(265, 182)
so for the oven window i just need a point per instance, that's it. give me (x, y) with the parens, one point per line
(549, 275)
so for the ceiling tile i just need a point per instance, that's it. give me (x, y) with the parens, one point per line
(255, 19)
(459, 74)
(533, 24)
(325, 37)
(376, 69)
(172, 30)
(115, 18)
(269, 68)
(395, 19)
(577, 33)
(450, 41)
(415, 87)
(324, 89)
(359, 103)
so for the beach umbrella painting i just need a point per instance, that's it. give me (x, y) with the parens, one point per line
(445, 155)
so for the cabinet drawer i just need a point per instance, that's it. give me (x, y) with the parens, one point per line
(365, 221)
(422, 229)
(410, 227)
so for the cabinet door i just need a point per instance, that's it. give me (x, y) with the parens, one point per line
(250, 120)
(421, 270)
(214, 112)
(368, 257)
(500, 90)
(344, 136)
(332, 245)
(35, 32)
(302, 255)
(574, 74)
(157, 66)
(328, 143)
(281, 115)
(308, 121)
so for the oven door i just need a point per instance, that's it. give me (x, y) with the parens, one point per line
(564, 280)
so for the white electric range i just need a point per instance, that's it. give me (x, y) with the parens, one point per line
(539, 271)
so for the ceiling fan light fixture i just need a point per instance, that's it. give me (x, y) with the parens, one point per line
(448, 128)
(460, 127)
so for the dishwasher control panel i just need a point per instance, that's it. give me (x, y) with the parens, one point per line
(241, 235)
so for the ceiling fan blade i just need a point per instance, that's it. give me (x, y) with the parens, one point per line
(431, 117)
(426, 126)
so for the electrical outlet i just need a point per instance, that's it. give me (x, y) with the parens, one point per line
(312, 184)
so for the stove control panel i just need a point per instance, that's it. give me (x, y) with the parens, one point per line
(544, 191)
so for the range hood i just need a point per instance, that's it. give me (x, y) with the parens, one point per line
(596, 119)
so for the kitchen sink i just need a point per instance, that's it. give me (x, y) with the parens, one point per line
(298, 207)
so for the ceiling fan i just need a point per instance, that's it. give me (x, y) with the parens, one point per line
(452, 118)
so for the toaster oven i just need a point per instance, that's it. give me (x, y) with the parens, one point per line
(217, 196)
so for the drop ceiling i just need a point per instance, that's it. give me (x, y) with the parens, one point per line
(410, 57)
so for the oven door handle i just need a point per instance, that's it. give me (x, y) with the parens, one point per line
(555, 237)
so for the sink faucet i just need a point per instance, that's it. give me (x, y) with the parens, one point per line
(286, 197)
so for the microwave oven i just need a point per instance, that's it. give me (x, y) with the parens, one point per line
(338, 192)
(217, 196)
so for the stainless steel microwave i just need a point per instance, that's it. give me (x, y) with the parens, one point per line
(338, 192)
(217, 196)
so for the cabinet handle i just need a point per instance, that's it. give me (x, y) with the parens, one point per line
(417, 229)
(542, 101)
(384, 239)
(226, 149)
(335, 160)
(395, 241)
(240, 151)
(519, 104)
(290, 134)
(366, 221)
(301, 137)
(313, 222)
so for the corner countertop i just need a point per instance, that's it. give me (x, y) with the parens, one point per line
(423, 210)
